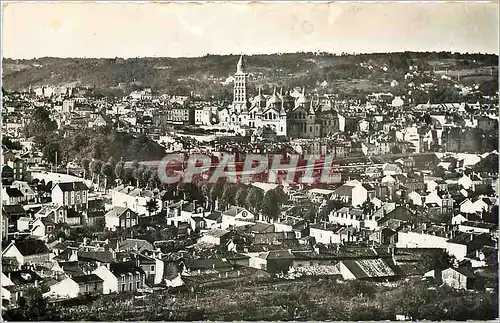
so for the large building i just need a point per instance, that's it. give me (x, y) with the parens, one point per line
(300, 117)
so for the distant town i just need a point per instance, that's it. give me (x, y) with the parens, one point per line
(406, 230)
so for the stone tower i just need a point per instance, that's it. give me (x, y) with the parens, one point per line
(240, 98)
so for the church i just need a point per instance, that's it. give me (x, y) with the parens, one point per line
(287, 116)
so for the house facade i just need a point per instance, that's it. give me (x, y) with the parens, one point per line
(71, 194)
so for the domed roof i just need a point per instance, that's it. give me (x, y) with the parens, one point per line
(258, 98)
(303, 99)
(287, 97)
(275, 99)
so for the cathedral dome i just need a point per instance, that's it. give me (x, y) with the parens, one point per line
(259, 99)
(287, 98)
(303, 99)
(274, 99)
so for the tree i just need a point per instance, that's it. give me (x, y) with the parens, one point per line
(32, 307)
(95, 168)
(205, 194)
(107, 171)
(135, 164)
(216, 192)
(120, 170)
(9, 144)
(270, 205)
(368, 207)
(40, 124)
(85, 163)
(241, 195)
(152, 206)
(52, 152)
(228, 196)
(153, 180)
(254, 199)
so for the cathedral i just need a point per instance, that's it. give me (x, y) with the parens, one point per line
(295, 117)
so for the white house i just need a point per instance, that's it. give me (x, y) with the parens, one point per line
(325, 233)
(351, 192)
(26, 190)
(421, 239)
(457, 219)
(66, 288)
(28, 251)
(35, 226)
(388, 179)
(110, 281)
(236, 216)
(431, 185)
(480, 205)
(466, 182)
(346, 216)
(71, 194)
(391, 169)
(133, 198)
(120, 217)
(415, 198)
(433, 197)
(214, 237)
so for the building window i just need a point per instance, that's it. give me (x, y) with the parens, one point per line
(130, 286)
(138, 285)
(152, 268)
(123, 287)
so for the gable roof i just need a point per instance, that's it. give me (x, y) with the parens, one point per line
(277, 254)
(31, 247)
(87, 279)
(72, 268)
(23, 277)
(369, 268)
(214, 216)
(122, 268)
(217, 233)
(234, 210)
(11, 210)
(213, 263)
(13, 192)
(100, 256)
(464, 271)
(72, 186)
(116, 211)
(133, 244)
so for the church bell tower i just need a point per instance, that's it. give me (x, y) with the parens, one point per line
(240, 98)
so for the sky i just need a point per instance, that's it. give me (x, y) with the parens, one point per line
(126, 30)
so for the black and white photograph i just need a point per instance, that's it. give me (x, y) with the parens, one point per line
(249, 161)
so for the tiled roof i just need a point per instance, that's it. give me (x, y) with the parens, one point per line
(369, 268)
(214, 263)
(100, 256)
(86, 279)
(13, 192)
(125, 268)
(116, 211)
(72, 186)
(32, 247)
(216, 233)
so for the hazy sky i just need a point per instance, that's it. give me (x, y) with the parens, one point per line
(190, 29)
